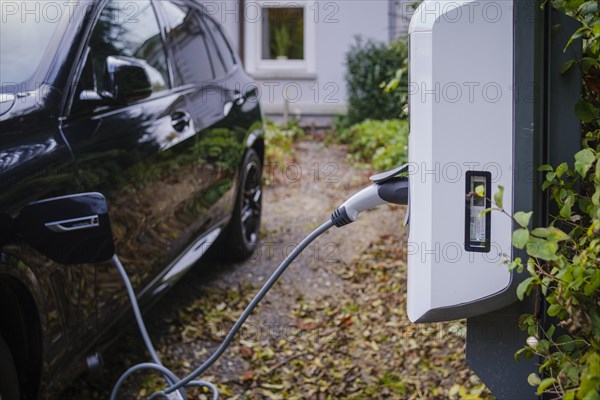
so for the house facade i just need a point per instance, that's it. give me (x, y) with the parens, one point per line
(295, 49)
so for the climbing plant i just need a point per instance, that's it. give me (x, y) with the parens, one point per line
(563, 259)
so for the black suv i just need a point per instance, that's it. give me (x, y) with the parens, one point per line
(145, 102)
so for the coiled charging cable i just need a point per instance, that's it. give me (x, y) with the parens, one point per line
(388, 190)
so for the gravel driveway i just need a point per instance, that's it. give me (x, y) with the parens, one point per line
(333, 327)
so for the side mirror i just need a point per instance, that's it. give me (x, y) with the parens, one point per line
(126, 79)
(71, 229)
(90, 96)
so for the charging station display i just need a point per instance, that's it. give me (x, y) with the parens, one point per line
(477, 221)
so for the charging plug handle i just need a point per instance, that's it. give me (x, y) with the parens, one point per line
(391, 190)
(394, 191)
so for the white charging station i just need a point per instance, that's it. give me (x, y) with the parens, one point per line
(461, 136)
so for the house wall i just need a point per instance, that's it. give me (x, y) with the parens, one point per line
(367, 18)
(401, 11)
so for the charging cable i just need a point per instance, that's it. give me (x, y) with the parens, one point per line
(386, 188)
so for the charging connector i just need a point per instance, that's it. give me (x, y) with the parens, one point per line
(364, 200)
(392, 190)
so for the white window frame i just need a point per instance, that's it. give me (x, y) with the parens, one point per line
(253, 61)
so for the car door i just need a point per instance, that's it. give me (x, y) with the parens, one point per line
(141, 156)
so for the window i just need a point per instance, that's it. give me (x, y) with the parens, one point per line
(188, 40)
(127, 28)
(282, 33)
(280, 40)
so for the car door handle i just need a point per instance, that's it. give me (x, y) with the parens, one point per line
(239, 99)
(75, 224)
(180, 120)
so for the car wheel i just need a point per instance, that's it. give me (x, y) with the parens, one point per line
(9, 381)
(244, 228)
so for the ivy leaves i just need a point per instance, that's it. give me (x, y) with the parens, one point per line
(583, 161)
(542, 248)
(588, 34)
(520, 237)
(585, 111)
(523, 218)
(563, 259)
(563, 264)
(498, 196)
(540, 243)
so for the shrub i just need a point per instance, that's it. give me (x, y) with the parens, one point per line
(383, 144)
(370, 65)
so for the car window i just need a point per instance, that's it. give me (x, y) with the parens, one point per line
(215, 56)
(188, 41)
(174, 14)
(129, 28)
(225, 50)
(24, 40)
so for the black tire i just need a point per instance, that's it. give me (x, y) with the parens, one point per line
(243, 231)
(9, 380)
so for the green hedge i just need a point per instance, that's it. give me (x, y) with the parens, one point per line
(370, 67)
(383, 144)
